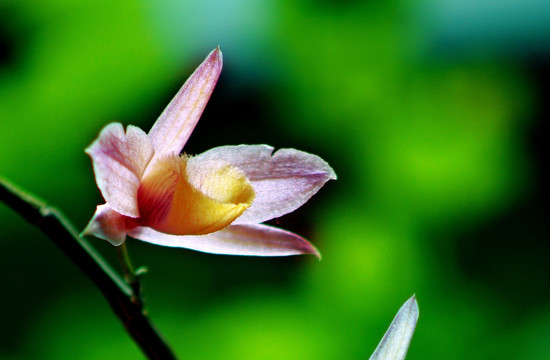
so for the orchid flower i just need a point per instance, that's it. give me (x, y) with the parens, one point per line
(395, 343)
(214, 202)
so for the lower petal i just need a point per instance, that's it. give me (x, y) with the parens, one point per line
(249, 240)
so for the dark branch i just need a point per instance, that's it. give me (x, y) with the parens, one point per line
(124, 302)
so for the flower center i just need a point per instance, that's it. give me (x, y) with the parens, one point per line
(182, 196)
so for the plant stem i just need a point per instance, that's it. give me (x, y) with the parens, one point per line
(124, 258)
(124, 300)
(131, 276)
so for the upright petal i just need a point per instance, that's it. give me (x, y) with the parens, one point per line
(119, 161)
(395, 343)
(176, 123)
(181, 201)
(251, 240)
(107, 224)
(282, 182)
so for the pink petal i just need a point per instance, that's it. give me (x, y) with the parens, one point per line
(119, 162)
(282, 182)
(251, 240)
(174, 126)
(107, 224)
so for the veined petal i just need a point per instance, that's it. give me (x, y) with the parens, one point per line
(395, 343)
(119, 160)
(251, 240)
(179, 199)
(176, 123)
(107, 224)
(282, 182)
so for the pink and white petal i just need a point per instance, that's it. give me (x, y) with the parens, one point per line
(119, 159)
(248, 240)
(107, 224)
(282, 182)
(176, 123)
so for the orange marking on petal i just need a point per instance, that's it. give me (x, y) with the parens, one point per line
(156, 191)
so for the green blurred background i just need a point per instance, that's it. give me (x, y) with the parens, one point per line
(432, 113)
